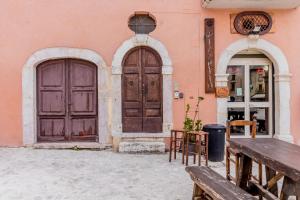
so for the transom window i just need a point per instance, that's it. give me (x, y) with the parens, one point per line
(250, 94)
(142, 23)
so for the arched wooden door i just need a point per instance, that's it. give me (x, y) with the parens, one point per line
(67, 100)
(142, 91)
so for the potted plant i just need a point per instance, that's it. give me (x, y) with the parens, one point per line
(192, 124)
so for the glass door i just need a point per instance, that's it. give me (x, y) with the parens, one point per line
(250, 94)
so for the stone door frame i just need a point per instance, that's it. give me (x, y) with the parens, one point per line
(29, 89)
(167, 71)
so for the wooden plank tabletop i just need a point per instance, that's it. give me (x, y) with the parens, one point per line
(276, 154)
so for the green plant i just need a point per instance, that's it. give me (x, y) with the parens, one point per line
(192, 124)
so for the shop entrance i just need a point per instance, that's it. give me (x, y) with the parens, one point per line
(250, 86)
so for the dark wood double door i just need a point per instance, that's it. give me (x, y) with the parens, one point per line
(67, 100)
(142, 91)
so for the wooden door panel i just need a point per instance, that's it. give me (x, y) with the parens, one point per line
(132, 112)
(152, 124)
(82, 75)
(51, 88)
(132, 124)
(52, 127)
(131, 70)
(132, 94)
(52, 74)
(150, 59)
(152, 70)
(67, 100)
(152, 101)
(150, 112)
(141, 91)
(83, 103)
(131, 86)
(83, 94)
(83, 128)
(152, 88)
(133, 59)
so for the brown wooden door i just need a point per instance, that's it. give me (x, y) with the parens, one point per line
(67, 100)
(142, 91)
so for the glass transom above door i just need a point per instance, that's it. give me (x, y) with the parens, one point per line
(250, 94)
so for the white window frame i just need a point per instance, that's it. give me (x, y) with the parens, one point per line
(247, 104)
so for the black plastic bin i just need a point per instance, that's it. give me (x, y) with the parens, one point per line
(216, 141)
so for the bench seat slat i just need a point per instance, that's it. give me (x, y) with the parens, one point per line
(216, 185)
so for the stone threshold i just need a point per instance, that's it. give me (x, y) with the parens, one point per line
(145, 135)
(72, 145)
(141, 147)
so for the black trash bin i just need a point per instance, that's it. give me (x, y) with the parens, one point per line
(216, 141)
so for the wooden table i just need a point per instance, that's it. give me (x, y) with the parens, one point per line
(281, 159)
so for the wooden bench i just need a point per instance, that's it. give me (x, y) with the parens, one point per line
(210, 185)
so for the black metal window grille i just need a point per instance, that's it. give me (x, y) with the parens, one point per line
(142, 24)
(249, 22)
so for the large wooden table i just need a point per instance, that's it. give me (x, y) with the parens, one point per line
(281, 159)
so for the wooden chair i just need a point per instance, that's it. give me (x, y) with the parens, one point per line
(177, 139)
(235, 153)
(201, 142)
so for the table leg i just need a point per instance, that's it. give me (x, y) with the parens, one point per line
(290, 188)
(270, 173)
(244, 171)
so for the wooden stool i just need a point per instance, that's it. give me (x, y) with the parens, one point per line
(201, 139)
(176, 141)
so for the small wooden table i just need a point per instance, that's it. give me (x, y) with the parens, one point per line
(281, 159)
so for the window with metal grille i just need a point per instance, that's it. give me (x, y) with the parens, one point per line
(142, 23)
(251, 22)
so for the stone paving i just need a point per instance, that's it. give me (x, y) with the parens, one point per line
(36, 174)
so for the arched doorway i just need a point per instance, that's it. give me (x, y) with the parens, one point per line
(281, 82)
(29, 89)
(67, 100)
(139, 40)
(142, 91)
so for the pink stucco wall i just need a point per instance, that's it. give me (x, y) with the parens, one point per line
(101, 25)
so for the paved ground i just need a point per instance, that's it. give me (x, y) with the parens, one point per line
(91, 175)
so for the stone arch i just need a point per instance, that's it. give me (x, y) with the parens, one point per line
(29, 88)
(167, 71)
(281, 79)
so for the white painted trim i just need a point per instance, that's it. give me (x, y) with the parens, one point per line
(29, 89)
(282, 82)
(167, 71)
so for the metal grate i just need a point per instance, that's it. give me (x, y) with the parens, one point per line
(258, 22)
(142, 23)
